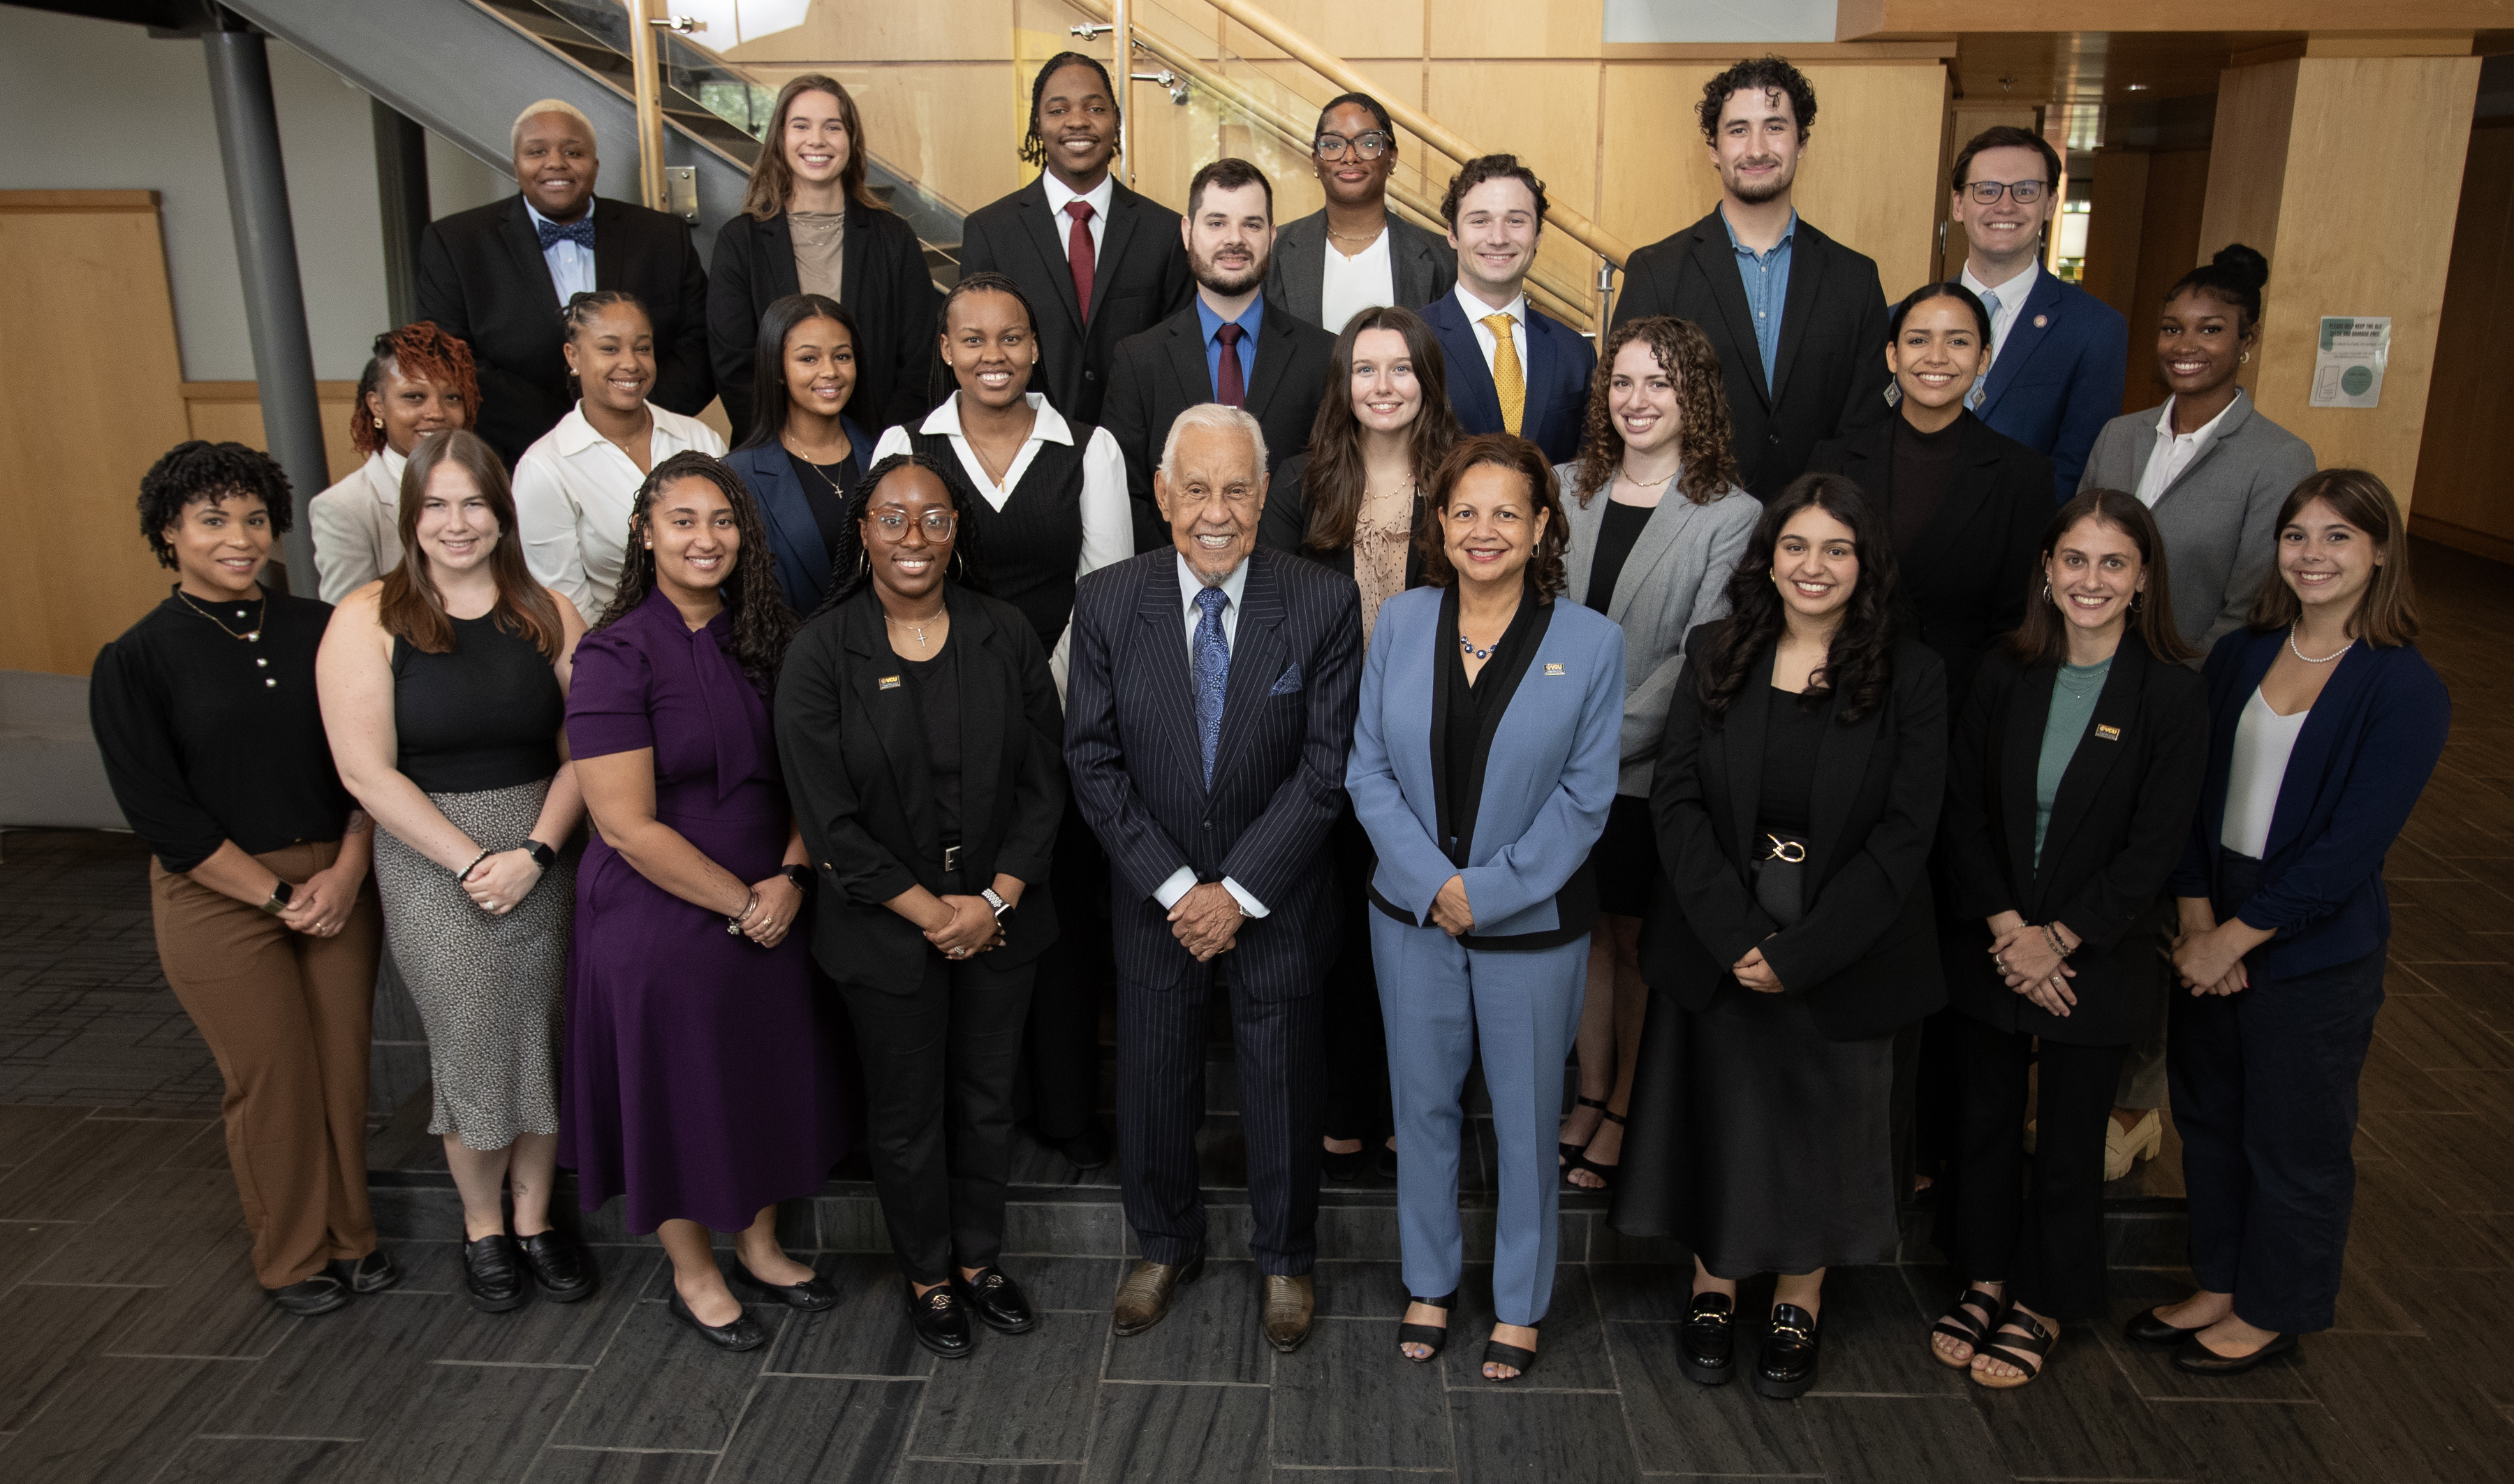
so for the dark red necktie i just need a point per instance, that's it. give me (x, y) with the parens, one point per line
(1078, 253)
(1229, 387)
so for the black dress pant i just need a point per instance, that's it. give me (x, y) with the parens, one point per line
(2048, 1246)
(1075, 973)
(1356, 1036)
(939, 1064)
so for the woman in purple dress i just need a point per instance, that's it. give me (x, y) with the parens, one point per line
(706, 1076)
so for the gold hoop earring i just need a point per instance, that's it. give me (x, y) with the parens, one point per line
(2046, 590)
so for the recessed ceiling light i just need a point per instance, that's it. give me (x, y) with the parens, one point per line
(2133, 87)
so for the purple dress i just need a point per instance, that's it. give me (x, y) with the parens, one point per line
(705, 1076)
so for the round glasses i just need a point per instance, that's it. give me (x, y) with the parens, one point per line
(1369, 146)
(937, 524)
(2023, 192)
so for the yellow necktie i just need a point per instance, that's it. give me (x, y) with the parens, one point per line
(1508, 383)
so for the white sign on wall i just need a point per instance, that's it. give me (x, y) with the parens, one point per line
(1720, 20)
(2348, 360)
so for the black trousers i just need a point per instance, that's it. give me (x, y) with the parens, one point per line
(1062, 1040)
(939, 1065)
(2045, 1242)
(1356, 1036)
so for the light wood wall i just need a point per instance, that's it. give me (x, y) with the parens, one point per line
(2465, 498)
(2145, 233)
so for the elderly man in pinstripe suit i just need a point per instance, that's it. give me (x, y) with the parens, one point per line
(1210, 707)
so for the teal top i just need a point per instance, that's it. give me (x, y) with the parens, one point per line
(2073, 707)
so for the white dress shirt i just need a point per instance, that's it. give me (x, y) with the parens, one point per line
(357, 526)
(1099, 196)
(1182, 880)
(2176, 451)
(573, 490)
(570, 264)
(2011, 296)
(1347, 286)
(1476, 310)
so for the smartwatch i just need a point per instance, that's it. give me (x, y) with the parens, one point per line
(542, 856)
(279, 896)
(1003, 908)
(800, 875)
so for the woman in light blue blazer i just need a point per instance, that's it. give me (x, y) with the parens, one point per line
(804, 454)
(1483, 762)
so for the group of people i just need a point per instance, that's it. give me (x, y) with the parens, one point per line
(1786, 710)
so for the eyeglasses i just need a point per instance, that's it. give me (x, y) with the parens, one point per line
(937, 524)
(1369, 146)
(2023, 192)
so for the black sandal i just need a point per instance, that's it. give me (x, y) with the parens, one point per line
(2026, 1352)
(1434, 1336)
(1497, 1353)
(1959, 1326)
(1605, 1173)
(1571, 1151)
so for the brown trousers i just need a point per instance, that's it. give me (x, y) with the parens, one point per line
(287, 1017)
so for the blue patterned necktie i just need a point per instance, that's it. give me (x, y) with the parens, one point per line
(580, 231)
(1211, 654)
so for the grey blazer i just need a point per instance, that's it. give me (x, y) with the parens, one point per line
(1675, 578)
(2219, 517)
(1420, 265)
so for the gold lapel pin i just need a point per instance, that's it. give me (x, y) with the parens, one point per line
(890, 682)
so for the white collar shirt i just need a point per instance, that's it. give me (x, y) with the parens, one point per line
(1099, 196)
(1182, 880)
(571, 264)
(2175, 450)
(573, 490)
(2002, 303)
(1476, 309)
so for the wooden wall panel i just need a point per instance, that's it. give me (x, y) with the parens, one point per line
(956, 126)
(2467, 445)
(2168, 244)
(2116, 217)
(230, 412)
(862, 31)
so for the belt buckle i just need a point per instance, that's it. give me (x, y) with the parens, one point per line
(951, 857)
(1790, 851)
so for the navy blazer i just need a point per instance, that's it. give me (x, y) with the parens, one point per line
(802, 563)
(1549, 768)
(2059, 378)
(2361, 761)
(1138, 770)
(1560, 364)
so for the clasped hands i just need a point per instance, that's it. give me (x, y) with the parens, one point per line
(770, 910)
(1206, 920)
(2025, 956)
(971, 928)
(2208, 954)
(319, 906)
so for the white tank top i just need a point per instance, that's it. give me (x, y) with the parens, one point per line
(2263, 739)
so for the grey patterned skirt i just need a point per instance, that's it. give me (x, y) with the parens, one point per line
(489, 989)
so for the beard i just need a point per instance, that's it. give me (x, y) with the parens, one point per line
(1227, 282)
(1770, 191)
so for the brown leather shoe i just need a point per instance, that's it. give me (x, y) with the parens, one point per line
(1289, 1302)
(1144, 1298)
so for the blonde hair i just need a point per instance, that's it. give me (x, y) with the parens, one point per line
(515, 134)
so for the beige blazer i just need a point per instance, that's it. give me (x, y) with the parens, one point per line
(357, 526)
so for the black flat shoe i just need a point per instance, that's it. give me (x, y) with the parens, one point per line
(1786, 1366)
(558, 1266)
(371, 1275)
(1434, 1336)
(1344, 1167)
(743, 1333)
(2200, 1360)
(2147, 1329)
(941, 1323)
(1707, 1349)
(493, 1275)
(318, 1295)
(813, 1295)
(997, 1299)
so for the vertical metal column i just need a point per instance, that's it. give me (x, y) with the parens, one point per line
(274, 299)
(1120, 78)
(647, 75)
(401, 195)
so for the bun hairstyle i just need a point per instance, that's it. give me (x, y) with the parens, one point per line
(2236, 275)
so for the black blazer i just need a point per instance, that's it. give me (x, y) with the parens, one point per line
(1140, 277)
(1865, 956)
(483, 280)
(854, 755)
(1830, 374)
(1285, 523)
(883, 282)
(1161, 373)
(2118, 825)
(1965, 581)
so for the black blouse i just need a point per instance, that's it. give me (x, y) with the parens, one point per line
(824, 489)
(1616, 534)
(485, 714)
(1923, 464)
(936, 684)
(1793, 733)
(210, 736)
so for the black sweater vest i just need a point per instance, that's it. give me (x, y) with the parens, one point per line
(1027, 550)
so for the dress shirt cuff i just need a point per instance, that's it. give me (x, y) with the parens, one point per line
(1248, 904)
(1168, 893)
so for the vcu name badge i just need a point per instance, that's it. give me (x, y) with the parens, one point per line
(890, 682)
(2108, 734)
(1554, 669)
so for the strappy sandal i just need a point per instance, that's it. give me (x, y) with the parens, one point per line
(1571, 1151)
(2026, 1352)
(1961, 1327)
(1605, 1173)
(1433, 1335)
(1497, 1353)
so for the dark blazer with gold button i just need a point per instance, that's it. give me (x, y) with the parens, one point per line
(854, 752)
(2118, 825)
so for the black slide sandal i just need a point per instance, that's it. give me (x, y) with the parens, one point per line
(1571, 1151)
(1435, 1336)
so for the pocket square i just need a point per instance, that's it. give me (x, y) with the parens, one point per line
(1291, 681)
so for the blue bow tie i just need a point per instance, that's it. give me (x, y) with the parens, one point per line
(580, 231)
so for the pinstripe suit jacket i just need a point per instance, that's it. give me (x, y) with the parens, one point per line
(1130, 744)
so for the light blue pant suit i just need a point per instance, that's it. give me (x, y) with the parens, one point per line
(1548, 781)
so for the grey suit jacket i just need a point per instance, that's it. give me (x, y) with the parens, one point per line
(2219, 517)
(1420, 265)
(1675, 579)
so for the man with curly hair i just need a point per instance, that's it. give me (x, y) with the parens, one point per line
(1799, 319)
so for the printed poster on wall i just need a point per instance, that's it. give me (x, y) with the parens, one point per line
(2348, 360)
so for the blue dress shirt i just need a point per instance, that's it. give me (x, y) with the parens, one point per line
(571, 266)
(1766, 278)
(1210, 321)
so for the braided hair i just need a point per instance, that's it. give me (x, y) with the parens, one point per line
(1033, 148)
(762, 623)
(851, 566)
(580, 309)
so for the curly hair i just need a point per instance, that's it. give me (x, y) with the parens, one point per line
(762, 623)
(1766, 73)
(1499, 451)
(1704, 435)
(1334, 478)
(1033, 148)
(1489, 167)
(772, 179)
(194, 472)
(1859, 664)
(417, 351)
(851, 567)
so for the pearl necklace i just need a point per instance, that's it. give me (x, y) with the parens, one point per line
(2308, 658)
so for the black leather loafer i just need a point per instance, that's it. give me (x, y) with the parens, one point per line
(997, 1299)
(318, 1295)
(1786, 1366)
(940, 1321)
(1086, 1150)
(493, 1275)
(743, 1333)
(1707, 1349)
(813, 1295)
(371, 1275)
(2200, 1360)
(2147, 1329)
(558, 1266)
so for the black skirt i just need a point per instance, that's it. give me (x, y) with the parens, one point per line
(1625, 859)
(1756, 1141)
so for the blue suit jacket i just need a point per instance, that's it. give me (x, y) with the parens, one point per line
(2059, 379)
(2361, 761)
(802, 571)
(1548, 781)
(1560, 363)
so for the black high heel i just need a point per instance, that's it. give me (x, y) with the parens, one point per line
(1571, 1151)
(1434, 1336)
(1605, 1173)
(1497, 1353)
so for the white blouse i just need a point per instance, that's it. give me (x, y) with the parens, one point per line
(1347, 286)
(2263, 742)
(573, 490)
